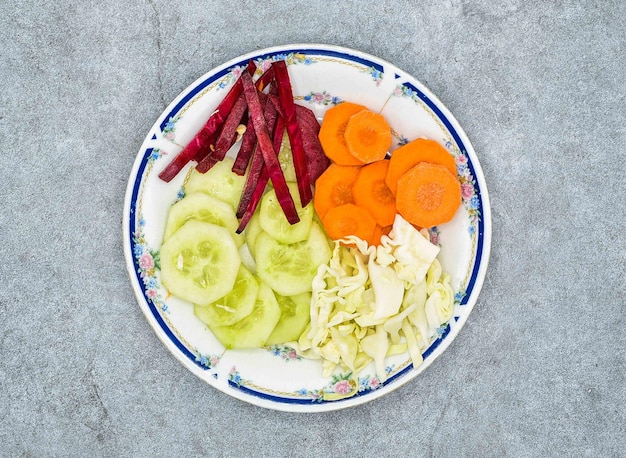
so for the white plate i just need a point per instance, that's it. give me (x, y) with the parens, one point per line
(321, 77)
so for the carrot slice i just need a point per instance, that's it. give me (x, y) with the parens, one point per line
(368, 136)
(332, 133)
(419, 150)
(428, 195)
(334, 188)
(372, 193)
(349, 219)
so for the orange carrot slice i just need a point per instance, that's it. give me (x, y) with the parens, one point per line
(372, 193)
(334, 188)
(348, 219)
(332, 133)
(419, 150)
(368, 136)
(428, 195)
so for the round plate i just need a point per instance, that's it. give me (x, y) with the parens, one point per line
(322, 76)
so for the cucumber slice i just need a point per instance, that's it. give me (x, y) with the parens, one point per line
(247, 259)
(253, 229)
(253, 330)
(289, 268)
(285, 159)
(235, 305)
(202, 207)
(199, 262)
(219, 181)
(294, 317)
(274, 222)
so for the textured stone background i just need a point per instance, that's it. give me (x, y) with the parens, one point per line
(539, 368)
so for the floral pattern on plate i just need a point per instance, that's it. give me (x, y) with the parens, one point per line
(322, 98)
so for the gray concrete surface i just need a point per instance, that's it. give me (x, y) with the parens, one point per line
(539, 370)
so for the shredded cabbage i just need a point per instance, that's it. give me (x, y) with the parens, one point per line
(388, 289)
(376, 346)
(371, 302)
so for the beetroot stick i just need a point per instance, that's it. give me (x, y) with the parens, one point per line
(263, 178)
(267, 149)
(254, 200)
(285, 94)
(307, 118)
(245, 150)
(228, 135)
(257, 164)
(206, 163)
(248, 140)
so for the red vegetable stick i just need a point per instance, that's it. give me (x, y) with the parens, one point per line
(255, 198)
(245, 150)
(257, 164)
(263, 178)
(271, 118)
(285, 94)
(256, 167)
(273, 97)
(307, 118)
(267, 149)
(196, 147)
(206, 163)
(249, 136)
(219, 116)
(207, 147)
(316, 160)
(265, 79)
(228, 135)
(199, 146)
(279, 130)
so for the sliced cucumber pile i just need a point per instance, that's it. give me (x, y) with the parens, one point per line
(251, 289)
